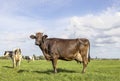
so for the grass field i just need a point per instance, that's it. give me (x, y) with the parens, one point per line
(41, 70)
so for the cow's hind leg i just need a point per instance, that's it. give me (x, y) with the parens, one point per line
(85, 62)
(14, 63)
(18, 63)
(54, 63)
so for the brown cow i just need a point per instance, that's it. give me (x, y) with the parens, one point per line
(64, 49)
(15, 55)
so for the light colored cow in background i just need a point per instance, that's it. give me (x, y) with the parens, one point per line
(29, 58)
(15, 55)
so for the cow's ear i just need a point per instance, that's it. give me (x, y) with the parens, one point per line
(19, 50)
(44, 37)
(32, 36)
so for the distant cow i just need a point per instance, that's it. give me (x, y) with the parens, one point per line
(64, 49)
(15, 55)
(29, 58)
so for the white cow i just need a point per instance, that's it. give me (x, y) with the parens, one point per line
(29, 58)
(15, 55)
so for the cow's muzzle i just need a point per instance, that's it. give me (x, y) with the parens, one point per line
(37, 43)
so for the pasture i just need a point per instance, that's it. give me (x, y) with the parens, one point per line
(41, 70)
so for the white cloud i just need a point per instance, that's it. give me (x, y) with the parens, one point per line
(113, 31)
(99, 45)
(101, 21)
(118, 13)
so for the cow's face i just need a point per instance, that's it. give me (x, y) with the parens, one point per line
(17, 51)
(39, 38)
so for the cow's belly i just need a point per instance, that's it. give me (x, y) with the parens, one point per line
(69, 57)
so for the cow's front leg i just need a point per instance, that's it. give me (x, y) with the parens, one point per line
(54, 63)
(19, 62)
(14, 64)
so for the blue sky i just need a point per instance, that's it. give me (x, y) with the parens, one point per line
(97, 20)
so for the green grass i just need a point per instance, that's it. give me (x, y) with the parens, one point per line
(41, 70)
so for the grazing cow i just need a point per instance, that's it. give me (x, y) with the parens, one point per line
(15, 55)
(64, 49)
(29, 58)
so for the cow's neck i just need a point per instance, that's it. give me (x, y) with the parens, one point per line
(42, 46)
(43, 49)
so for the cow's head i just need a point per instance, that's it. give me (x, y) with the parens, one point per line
(39, 38)
(17, 51)
(6, 53)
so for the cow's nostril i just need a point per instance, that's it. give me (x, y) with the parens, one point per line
(36, 43)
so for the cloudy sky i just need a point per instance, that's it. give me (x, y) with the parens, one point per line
(97, 20)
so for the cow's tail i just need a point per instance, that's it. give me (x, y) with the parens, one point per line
(89, 52)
